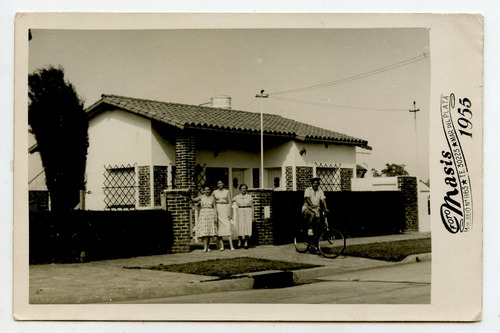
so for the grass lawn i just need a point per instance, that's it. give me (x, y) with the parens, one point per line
(389, 251)
(225, 268)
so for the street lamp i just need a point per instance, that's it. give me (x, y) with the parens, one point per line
(414, 111)
(261, 96)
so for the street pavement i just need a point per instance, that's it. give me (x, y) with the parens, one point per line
(399, 284)
(108, 281)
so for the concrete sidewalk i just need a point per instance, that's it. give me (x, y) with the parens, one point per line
(108, 280)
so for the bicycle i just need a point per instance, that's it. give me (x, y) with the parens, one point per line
(330, 242)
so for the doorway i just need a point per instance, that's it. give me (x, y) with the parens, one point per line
(238, 178)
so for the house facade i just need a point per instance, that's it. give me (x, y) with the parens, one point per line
(140, 148)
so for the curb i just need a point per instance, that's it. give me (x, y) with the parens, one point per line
(304, 275)
(269, 279)
(124, 295)
(417, 258)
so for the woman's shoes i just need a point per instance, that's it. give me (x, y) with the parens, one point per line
(246, 246)
(221, 249)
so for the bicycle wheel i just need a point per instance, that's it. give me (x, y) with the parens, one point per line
(301, 240)
(331, 243)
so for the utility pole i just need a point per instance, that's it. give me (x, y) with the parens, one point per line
(415, 110)
(261, 96)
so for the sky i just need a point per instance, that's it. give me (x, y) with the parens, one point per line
(360, 82)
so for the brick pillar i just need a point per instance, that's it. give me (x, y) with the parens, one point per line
(178, 203)
(304, 175)
(345, 179)
(262, 228)
(160, 178)
(289, 178)
(185, 162)
(408, 186)
(144, 186)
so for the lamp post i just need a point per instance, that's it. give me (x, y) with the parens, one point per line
(414, 111)
(261, 96)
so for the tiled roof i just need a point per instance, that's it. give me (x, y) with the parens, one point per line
(192, 116)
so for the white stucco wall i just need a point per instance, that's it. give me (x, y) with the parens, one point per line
(288, 154)
(162, 150)
(228, 158)
(323, 153)
(280, 156)
(424, 218)
(115, 138)
(375, 184)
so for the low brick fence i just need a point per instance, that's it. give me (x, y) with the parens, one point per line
(74, 236)
(178, 203)
(357, 214)
(262, 228)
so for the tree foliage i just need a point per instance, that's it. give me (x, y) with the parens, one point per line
(375, 173)
(60, 126)
(392, 170)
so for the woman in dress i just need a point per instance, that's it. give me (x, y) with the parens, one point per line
(206, 227)
(245, 214)
(224, 211)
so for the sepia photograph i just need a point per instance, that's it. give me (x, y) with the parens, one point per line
(189, 164)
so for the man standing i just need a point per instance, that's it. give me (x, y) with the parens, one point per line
(313, 198)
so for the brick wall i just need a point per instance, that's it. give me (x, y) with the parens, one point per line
(408, 186)
(289, 178)
(304, 175)
(160, 179)
(144, 186)
(262, 228)
(345, 179)
(185, 162)
(178, 203)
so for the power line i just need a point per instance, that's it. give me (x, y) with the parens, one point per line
(253, 100)
(293, 100)
(358, 76)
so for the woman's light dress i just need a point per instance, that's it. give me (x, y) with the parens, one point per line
(207, 221)
(222, 204)
(244, 214)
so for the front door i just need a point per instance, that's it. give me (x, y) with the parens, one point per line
(238, 178)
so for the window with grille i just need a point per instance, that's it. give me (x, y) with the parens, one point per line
(120, 187)
(330, 178)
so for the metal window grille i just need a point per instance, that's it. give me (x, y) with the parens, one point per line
(119, 187)
(330, 178)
